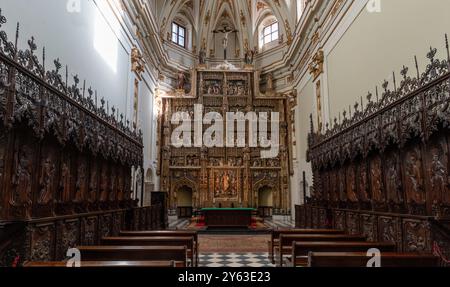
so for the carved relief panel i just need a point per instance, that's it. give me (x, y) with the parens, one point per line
(369, 227)
(393, 178)
(68, 237)
(42, 240)
(389, 230)
(353, 223)
(82, 178)
(351, 184)
(416, 236)
(376, 181)
(22, 179)
(414, 186)
(438, 176)
(339, 220)
(89, 233)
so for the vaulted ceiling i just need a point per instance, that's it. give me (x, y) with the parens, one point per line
(204, 16)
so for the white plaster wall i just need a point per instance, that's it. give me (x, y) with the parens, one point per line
(376, 44)
(306, 99)
(73, 37)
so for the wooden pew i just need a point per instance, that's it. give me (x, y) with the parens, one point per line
(134, 253)
(166, 233)
(360, 259)
(285, 241)
(275, 236)
(154, 241)
(108, 264)
(300, 250)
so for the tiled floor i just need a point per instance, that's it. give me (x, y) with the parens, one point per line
(230, 250)
(234, 260)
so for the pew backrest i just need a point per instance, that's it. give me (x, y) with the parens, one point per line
(133, 253)
(109, 264)
(303, 248)
(360, 259)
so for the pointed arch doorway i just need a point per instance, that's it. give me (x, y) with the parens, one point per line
(185, 201)
(265, 201)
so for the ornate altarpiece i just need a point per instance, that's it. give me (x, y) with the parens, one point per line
(225, 177)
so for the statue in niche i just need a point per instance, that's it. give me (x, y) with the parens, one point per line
(375, 176)
(393, 186)
(181, 80)
(439, 179)
(249, 56)
(202, 56)
(46, 180)
(270, 86)
(414, 179)
(22, 177)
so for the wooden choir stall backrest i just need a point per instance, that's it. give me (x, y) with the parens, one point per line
(383, 170)
(65, 159)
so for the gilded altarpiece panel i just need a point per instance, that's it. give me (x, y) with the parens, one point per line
(224, 175)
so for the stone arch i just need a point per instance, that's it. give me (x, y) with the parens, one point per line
(180, 185)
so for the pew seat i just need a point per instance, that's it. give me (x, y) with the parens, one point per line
(108, 264)
(275, 236)
(154, 241)
(286, 240)
(300, 250)
(360, 259)
(166, 233)
(134, 253)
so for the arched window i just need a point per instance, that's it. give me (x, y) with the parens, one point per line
(270, 33)
(179, 34)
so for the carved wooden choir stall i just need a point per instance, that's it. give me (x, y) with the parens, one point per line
(65, 161)
(384, 171)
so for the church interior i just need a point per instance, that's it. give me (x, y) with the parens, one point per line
(224, 133)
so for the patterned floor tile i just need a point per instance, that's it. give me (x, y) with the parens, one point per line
(235, 260)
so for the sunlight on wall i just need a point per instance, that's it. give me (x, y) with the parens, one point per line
(105, 42)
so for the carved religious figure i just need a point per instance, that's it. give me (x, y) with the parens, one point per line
(249, 56)
(363, 194)
(414, 179)
(64, 185)
(22, 177)
(341, 179)
(439, 179)
(46, 180)
(81, 182)
(181, 80)
(375, 180)
(270, 86)
(202, 56)
(93, 184)
(393, 181)
(351, 184)
(226, 31)
(103, 184)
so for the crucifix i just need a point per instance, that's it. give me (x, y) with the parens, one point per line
(225, 30)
